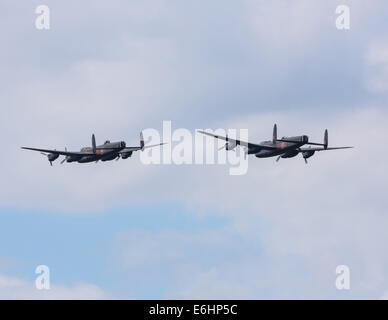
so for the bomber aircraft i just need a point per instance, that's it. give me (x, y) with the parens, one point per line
(106, 152)
(286, 147)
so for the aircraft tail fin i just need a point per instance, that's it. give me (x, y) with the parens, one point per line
(141, 141)
(275, 133)
(94, 143)
(326, 139)
(142, 146)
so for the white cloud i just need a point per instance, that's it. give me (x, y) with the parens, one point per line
(135, 80)
(211, 284)
(306, 218)
(377, 66)
(283, 25)
(297, 27)
(12, 288)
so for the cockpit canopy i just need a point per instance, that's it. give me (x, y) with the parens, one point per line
(106, 142)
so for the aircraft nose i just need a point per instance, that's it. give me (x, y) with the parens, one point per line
(305, 139)
(123, 144)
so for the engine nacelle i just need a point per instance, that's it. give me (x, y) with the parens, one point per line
(307, 154)
(230, 145)
(290, 154)
(52, 156)
(84, 159)
(74, 158)
(109, 157)
(126, 155)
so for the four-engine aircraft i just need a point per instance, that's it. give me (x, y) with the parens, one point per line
(106, 152)
(286, 147)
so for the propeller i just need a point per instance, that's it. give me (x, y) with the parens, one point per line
(224, 146)
(64, 158)
(118, 157)
(47, 155)
(305, 159)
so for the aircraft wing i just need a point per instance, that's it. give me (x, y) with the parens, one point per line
(238, 142)
(63, 153)
(154, 145)
(322, 149)
(129, 149)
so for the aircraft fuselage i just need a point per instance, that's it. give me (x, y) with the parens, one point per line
(287, 149)
(106, 152)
